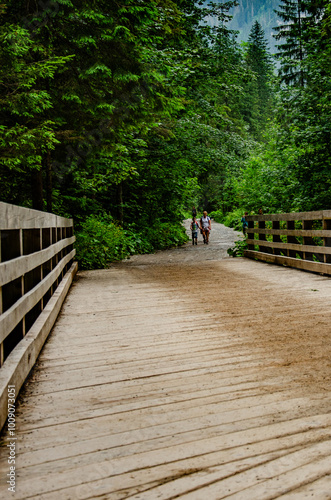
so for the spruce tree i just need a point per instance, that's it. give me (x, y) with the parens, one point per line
(259, 89)
(291, 50)
(259, 59)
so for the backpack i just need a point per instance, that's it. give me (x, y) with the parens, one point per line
(208, 219)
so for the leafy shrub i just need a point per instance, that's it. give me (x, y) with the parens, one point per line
(239, 248)
(217, 215)
(164, 235)
(232, 219)
(137, 242)
(100, 241)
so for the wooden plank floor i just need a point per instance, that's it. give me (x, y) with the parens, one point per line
(161, 382)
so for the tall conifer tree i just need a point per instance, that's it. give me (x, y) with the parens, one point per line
(291, 34)
(259, 89)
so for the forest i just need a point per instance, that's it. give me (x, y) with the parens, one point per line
(125, 114)
(246, 12)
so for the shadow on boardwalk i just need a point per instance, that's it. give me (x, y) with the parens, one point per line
(181, 375)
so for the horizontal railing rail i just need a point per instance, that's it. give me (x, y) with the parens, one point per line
(299, 239)
(35, 253)
(36, 269)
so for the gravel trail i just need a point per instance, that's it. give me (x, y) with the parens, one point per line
(221, 238)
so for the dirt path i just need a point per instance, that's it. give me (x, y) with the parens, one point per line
(221, 238)
(184, 374)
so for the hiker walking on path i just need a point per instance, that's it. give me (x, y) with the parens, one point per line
(244, 223)
(205, 226)
(194, 228)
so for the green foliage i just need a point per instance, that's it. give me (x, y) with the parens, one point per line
(304, 116)
(100, 241)
(249, 11)
(238, 250)
(232, 219)
(26, 132)
(217, 215)
(259, 102)
(164, 235)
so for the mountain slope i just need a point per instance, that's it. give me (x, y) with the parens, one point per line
(249, 11)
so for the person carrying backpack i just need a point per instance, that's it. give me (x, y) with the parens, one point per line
(194, 228)
(244, 223)
(205, 226)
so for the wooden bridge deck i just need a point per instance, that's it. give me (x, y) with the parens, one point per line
(161, 382)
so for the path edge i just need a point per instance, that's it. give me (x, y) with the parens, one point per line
(21, 360)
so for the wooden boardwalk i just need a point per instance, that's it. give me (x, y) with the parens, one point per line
(162, 382)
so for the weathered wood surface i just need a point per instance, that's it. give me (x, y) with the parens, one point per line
(317, 233)
(269, 251)
(21, 360)
(161, 382)
(13, 269)
(292, 246)
(317, 215)
(36, 253)
(304, 265)
(14, 217)
(10, 318)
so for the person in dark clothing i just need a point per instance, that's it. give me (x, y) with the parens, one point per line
(194, 228)
(244, 223)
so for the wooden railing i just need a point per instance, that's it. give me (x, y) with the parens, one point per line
(36, 270)
(301, 240)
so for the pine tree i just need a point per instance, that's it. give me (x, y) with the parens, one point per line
(259, 90)
(301, 18)
(291, 50)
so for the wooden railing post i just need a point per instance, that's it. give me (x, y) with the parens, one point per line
(250, 233)
(276, 237)
(262, 236)
(22, 280)
(327, 240)
(291, 239)
(307, 225)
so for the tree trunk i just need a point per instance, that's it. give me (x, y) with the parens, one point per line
(37, 190)
(120, 202)
(302, 80)
(49, 185)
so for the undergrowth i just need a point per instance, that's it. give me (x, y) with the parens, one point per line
(100, 241)
(239, 248)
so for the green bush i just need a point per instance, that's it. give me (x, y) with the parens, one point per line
(137, 242)
(164, 235)
(238, 249)
(232, 219)
(217, 215)
(100, 241)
